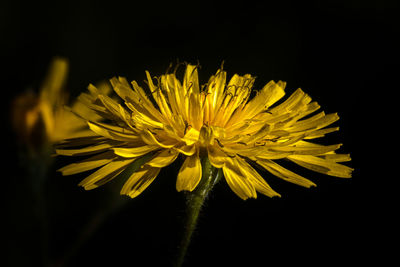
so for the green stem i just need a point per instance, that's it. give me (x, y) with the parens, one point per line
(195, 200)
(39, 162)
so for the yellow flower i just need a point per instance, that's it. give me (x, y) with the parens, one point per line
(218, 120)
(42, 118)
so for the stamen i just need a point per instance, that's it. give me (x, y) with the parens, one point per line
(219, 142)
(178, 64)
(204, 86)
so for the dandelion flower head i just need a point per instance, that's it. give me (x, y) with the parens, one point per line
(42, 119)
(219, 120)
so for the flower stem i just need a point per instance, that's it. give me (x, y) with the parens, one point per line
(194, 203)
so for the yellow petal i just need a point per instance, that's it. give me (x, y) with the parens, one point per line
(195, 111)
(337, 157)
(258, 135)
(306, 148)
(238, 91)
(173, 87)
(122, 88)
(163, 104)
(114, 108)
(250, 150)
(83, 110)
(87, 105)
(270, 93)
(283, 173)
(134, 152)
(189, 174)
(191, 80)
(142, 117)
(47, 115)
(81, 141)
(178, 125)
(289, 104)
(191, 136)
(215, 89)
(139, 181)
(88, 164)
(51, 89)
(167, 85)
(302, 110)
(85, 150)
(105, 174)
(321, 133)
(316, 122)
(206, 136)
(158, 97)
(113, 132)
(285, 141)
(151, 85)
(163, 158)
(148, 107)
(268, 154)
(186, 150)
(216, 156)
(149, 138)
(255, 178)
(322, 165)
(238, 182)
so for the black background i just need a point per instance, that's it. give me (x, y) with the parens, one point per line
(340, 52)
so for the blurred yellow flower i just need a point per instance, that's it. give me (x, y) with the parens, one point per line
(218, 120)
(43, 118)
